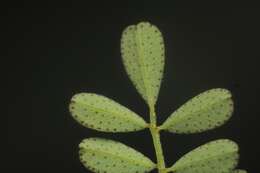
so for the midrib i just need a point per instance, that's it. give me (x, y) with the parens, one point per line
(142, 66)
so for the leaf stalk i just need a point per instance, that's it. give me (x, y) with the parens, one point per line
(155, 132)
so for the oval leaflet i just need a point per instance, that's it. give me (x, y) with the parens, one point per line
(213, 157)
(142, 50)
(103, 114)
(108, 156)
(206, 111)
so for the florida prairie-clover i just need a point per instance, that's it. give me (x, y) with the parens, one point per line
(143, 54)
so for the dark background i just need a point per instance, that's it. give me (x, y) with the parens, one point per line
(58, 49)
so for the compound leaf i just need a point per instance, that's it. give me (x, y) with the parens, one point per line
(103, 114)
(206, 111)
(213, 157)
(107, 156)
(142, 50)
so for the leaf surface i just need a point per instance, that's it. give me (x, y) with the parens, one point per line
(142, 50)
(103, 114)
(239, 171)
(206, 111)
(213, 157)
(107, 156)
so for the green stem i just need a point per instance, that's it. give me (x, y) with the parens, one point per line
(157, 142)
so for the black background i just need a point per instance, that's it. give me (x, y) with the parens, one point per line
(58, 49)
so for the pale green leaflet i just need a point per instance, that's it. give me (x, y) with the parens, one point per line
(103, 155)
(206, 111)
(216, 156)
(103, 114)
(142, 52)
